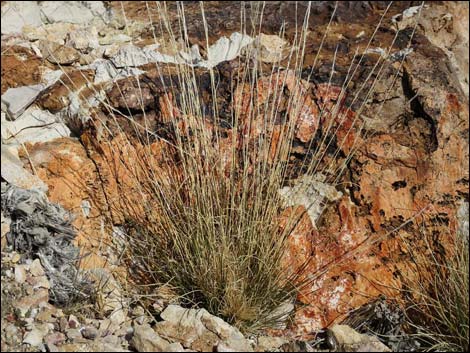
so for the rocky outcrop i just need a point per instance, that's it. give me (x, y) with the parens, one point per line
(410, 142)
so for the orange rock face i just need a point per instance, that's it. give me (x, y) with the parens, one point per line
(109, 183)
(72, 179)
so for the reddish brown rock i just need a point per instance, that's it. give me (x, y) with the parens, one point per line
(301, 240)
(130, 95)
(169, 111)
(20, 67)
(56, 97)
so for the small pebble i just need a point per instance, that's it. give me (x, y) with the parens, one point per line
(90, 332)
(73, 334)
(36, 268)
(73, 322)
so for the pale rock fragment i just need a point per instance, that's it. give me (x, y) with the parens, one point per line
(16, 100)
(34, 125)
(17, 14)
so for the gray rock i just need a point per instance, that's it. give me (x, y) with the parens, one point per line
(36, 335)
(281, 314)
(111, 340)
(463, 223)
(310, 192)
(57, 53)
(79, 12)
(226, 49)
(219, 326)
(16, 14)
(83, 39)
(232, 338)
(372, 346)
(28, 321)
(125, 332)
(34, 125)
(89, 332)
(175, 347)
(16, 100)
(269, 344)
(74, 334)
(107, 327)
(199, 330)
(114, 301)
(145, 339)
(344, 338)
(183, 325)
(11, 332)
(20, 273)
(138, 313)
(63, 324)
(105, 71)
(234, 345)
(13, 172)
(271, 48)
(222, 347)
(297, 346)
(52, 348)
(131, 55)
(96, 346)
(55, 32)
(112, 39)
(54, 338)
(40, 282)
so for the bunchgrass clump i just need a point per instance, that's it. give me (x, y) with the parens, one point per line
(214, 235)
(213, 227)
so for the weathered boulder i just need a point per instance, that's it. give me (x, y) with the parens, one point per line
(35, 337)
(199, 330)
(343, 338)
(145, 339)
(73, 12)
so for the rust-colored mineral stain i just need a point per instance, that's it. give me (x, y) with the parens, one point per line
(20, 67)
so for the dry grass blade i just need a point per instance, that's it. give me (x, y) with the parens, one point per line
(437, 285)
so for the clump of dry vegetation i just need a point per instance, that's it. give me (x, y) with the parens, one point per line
(214, 232)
